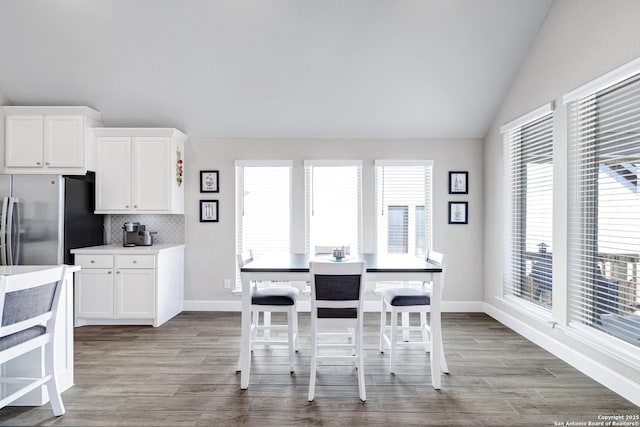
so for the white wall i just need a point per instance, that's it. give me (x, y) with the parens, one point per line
(210, 251)
(580, 41)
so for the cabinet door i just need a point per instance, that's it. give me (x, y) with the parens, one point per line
(113, 174)
(152, 174)
(135, 293)
(94, 291)
(24, 141)
(64, 141)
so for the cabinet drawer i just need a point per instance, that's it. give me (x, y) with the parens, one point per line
(94, 261)
(135, 261)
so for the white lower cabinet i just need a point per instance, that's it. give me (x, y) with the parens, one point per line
(135, 293)
(128, 288)
(94, 293)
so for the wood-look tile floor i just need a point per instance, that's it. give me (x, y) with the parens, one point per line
(183, 374)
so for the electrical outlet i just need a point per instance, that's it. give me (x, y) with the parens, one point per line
(227, 283)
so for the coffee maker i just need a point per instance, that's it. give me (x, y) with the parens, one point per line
(135, 234)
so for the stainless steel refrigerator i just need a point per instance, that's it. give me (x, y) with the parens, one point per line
(43, 217)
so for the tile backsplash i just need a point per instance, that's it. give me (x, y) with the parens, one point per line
(170, 228)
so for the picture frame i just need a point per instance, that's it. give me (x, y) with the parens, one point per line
(209, 181)
(458, 212)
(458, 182)
(209, 211)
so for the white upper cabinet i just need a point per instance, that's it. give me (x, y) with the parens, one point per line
(52, 140)
(152, 173)
(137, 170)
(113, 174)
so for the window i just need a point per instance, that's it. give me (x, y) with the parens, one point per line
(403, 207)
(397, 229)
(333, 200)
(604, 205)
(263, 206)
(529, 194)
(421, 230)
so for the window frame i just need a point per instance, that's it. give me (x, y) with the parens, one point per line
(428, 204)
(613, 345)
(240, 165)
(508, 286)
(308, 195)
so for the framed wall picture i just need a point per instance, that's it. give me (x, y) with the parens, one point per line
(209, 182)
(458, 212)
(208, 211)
(458, 182)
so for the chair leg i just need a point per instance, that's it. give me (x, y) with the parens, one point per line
(312, 368)
(352, 338)
(52, 385)
(423, 330)
(394, 327)
(360, 350)
(266, 320)
(443, 361)
(290, 316)
(383, 323)
(405, 327)
(253, 333)
(255, 322)
(296, 347)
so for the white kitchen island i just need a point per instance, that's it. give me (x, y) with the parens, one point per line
(139, 285)
(32, 363)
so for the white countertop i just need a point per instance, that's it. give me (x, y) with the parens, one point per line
(119, 249)
(8, 270)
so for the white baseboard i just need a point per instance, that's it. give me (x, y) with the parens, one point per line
(618, 383)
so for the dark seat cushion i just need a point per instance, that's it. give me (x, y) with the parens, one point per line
(275, 296)
(406, 296)
(20, 337)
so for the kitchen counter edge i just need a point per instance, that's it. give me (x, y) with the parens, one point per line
(119, 249)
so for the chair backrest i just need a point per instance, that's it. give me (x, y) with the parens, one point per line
(321, 249)
(244, 258)
(441, 259)
(29, 299)
(337, 289)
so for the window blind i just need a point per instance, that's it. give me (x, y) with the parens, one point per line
(403, 207)
(263, 211)
(604, 209)
(334, 207)
(528, 246)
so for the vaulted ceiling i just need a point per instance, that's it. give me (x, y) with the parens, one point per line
(271, 68)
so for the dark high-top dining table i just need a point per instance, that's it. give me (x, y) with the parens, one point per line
(295, 268)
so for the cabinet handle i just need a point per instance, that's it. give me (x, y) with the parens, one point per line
(38, 163)
(108, 272)
(47, 163)
(135, 261)
(126, 206)
(135, 206)
(92, 261)
(117, 272)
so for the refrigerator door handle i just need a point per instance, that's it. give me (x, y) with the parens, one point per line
(3, 232)
(14, 231)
